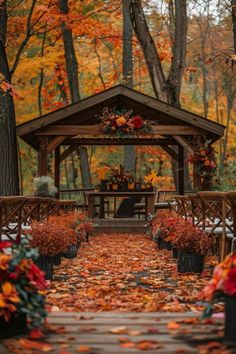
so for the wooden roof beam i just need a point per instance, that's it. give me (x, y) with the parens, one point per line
(74, 130)
(115, 141)
(185, 144)
(67, 152)
(170, 152)
(55, 143)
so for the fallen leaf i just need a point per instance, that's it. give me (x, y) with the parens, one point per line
(119, 330)
(134, 333)
(148, 345)
(153, 330)
(36, 334)
(87, 329)
(29, 344)
(83, 349)
(127, 345)
(173, 325)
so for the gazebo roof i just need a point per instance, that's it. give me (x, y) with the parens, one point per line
(86, 112)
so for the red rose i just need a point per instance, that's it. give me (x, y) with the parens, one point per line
(230, 283)
(13, 276)
(137, 122)
(36, 276)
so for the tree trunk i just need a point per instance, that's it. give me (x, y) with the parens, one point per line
(150, 53)
(174, 80)
(84, 167)
(167, 89)
(72, 74)
(9, 176)
(71, 61)
(233, 5)
(129, 150)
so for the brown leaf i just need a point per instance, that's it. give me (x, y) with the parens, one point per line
(148, 345)
(36, 334)
(153, 330)
(87, 329)
(119, 330)
(173, 325)
(127, 345)
(29, 344)
(83, 349)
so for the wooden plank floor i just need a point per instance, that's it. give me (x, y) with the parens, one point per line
(120, 225)
(95, 330)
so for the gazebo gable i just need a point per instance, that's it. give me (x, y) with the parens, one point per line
(85, 113)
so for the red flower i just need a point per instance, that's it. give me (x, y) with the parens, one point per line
(137, 122)
(13, 276)
(5, 244)
(230, 283)
(37, 276)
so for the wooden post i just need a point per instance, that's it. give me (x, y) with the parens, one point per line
(57, 170)
(197, 186)
(43, 156)
(181, 170)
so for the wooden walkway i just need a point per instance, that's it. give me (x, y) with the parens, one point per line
(116, 333)
(124, 225)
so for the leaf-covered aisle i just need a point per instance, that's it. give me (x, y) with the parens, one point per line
(124, 272)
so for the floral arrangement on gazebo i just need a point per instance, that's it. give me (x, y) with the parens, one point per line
(122, 123)
(207, 163)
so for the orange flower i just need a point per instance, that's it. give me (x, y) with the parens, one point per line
(9, 292)
(23, 265)
(4, 260)
(8, 299)
(207, 162)
(121, 121)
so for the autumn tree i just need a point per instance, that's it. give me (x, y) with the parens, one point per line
(9, 178)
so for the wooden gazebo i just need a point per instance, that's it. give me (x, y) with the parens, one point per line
(78, 124)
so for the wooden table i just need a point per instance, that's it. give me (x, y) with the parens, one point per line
(117, 333)
(149, 201)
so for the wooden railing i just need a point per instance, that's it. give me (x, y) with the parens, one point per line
(18, 212)
(214, 213)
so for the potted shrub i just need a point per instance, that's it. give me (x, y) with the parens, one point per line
(165, 230)
(51, 240)
(192, 245)
(66, 222)
(222, 287)
(21, 301)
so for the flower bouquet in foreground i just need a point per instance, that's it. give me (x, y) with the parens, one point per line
(222, 287)
(21, 300)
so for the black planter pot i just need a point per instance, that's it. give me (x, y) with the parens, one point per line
(164, 245)
(16, 325)
(45, 263)
(175, 252)
(190, 262)
(230, 320)
(72, 252)
(57, 260)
